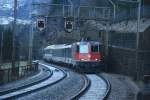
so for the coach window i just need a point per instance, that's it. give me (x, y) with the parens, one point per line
(94, 48)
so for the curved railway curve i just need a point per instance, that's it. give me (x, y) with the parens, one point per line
(56, 76)
(95, 87)
(62, 84)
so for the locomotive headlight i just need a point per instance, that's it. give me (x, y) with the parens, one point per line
(96, 59)
(89, 56)
(82, 59)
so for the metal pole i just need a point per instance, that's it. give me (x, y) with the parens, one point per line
(137, 35)
(114, 12)
(30, 45)
(1, 53)
(78, 13)
(106, 35)
(30, 40)
(70, 1)
(114, 6)
(63, 10)
(14, 34)
(107, 32)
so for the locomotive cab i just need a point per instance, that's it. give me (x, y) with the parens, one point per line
(88, 55)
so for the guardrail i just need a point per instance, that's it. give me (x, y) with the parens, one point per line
(9, 75)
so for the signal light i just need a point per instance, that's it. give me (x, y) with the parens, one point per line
(69, 24)
(41, 24)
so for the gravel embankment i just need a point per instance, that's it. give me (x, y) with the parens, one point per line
(122, 88)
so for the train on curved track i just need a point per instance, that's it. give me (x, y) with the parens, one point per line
(85, 56)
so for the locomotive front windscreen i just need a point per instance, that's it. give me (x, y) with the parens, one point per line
(94, 48)
(84, 48)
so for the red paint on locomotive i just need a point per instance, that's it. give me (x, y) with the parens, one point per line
(88, 57)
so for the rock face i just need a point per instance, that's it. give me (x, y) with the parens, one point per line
(130, 26)
(123, 49)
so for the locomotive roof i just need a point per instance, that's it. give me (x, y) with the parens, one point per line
(58, 46)
(62, 46)
(91, 42)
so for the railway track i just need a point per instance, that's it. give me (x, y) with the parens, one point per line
(83, 89)
(98, 88)
(56, 76)
(29, 81)
(95, 87)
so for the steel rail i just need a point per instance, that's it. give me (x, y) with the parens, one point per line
(108, 87)
(83, 91)
(26, 85)
(87, 84)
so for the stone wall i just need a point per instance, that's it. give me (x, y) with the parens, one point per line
(122, 59)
